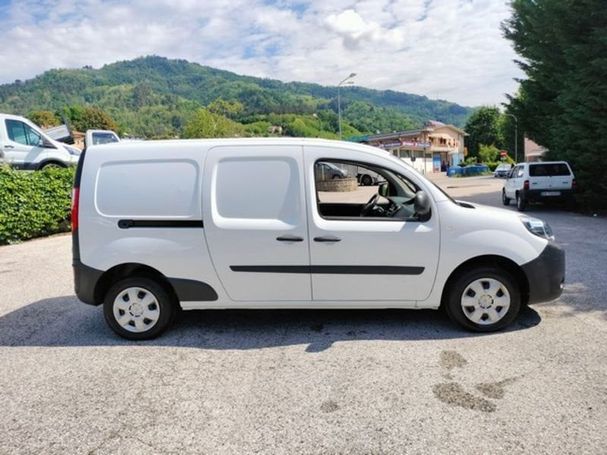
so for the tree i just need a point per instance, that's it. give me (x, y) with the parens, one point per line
(483, 127)
(488, 153)
(230, 109)
(89, 117)
(44, 119)
(561, 103)
(207, 124)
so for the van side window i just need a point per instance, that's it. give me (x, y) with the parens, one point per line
(260, 188)
(341, 196)
(21, 133)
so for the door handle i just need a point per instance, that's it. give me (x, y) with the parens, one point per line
(9, 146)
(289, 238)
(328, 238)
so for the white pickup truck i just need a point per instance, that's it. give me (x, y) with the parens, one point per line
(25, 146)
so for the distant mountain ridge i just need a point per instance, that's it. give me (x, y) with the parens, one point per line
(154, 96)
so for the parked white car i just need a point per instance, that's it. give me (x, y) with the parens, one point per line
(239, 223)
(537, 182)
(24, 145)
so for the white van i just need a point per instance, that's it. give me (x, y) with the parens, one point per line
(24, 146)
(239, 223)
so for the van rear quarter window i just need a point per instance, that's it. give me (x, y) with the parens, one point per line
(258, 188)
(154, 188)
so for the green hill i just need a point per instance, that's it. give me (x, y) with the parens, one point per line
(156, 97)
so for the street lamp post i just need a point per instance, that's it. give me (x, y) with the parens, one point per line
(349, 81)
(515, 136)
(315, 115)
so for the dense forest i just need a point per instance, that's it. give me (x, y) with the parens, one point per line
(155, 97)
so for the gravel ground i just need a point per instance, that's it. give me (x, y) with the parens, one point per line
(305, 381)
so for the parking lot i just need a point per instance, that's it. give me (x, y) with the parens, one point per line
(306, 381)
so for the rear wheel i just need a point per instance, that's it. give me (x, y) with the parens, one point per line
(366, 180)
(138, 308)
(484, 299)
(521, 203)
(505, 200)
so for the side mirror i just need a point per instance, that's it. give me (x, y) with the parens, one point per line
(421, 204)
(382, 190)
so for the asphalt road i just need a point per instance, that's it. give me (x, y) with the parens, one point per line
(305, 381)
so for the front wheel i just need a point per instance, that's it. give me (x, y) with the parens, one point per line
(505, 199)
(484, 299)
(138, 308)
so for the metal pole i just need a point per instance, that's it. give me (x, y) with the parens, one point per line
(339, 109)
(339, 100)
(516, 140)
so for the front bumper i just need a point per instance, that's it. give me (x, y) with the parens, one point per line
(546, 274)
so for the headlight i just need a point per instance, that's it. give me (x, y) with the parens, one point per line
(73, 150)
(538, 227)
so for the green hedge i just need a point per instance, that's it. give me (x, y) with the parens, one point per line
(34, 204)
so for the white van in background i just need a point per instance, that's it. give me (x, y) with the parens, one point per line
(23, 145)
(240, 223)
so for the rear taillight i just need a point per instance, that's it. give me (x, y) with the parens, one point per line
(75, 203)
(526, 185)
(573, 185)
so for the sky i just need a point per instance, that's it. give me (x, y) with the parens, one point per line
(444, 49)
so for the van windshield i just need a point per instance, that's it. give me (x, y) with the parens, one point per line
(548, 169)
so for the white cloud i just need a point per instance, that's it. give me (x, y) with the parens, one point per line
(449, 49)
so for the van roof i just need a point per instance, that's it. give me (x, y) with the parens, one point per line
(208, 143)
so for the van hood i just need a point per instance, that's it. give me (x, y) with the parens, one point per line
(488, 209)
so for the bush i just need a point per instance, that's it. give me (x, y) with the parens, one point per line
(34, 204)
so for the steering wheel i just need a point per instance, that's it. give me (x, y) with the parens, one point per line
(369, 206)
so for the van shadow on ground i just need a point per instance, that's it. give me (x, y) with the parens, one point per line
(64, 321)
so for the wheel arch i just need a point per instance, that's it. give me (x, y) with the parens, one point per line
(489, 261)
(130, 270)
(51, 161)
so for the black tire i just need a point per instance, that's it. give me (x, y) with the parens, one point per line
(521, 203)
(453, 300)
(505, 200)
(164, 300)
(51, 165)
(366, 180)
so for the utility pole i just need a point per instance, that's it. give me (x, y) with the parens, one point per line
(347, 80)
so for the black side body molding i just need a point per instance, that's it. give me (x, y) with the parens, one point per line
(127, 224)
(331, 269)
(546, 274)
(192, 290)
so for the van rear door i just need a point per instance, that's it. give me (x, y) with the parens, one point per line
(255, 221)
